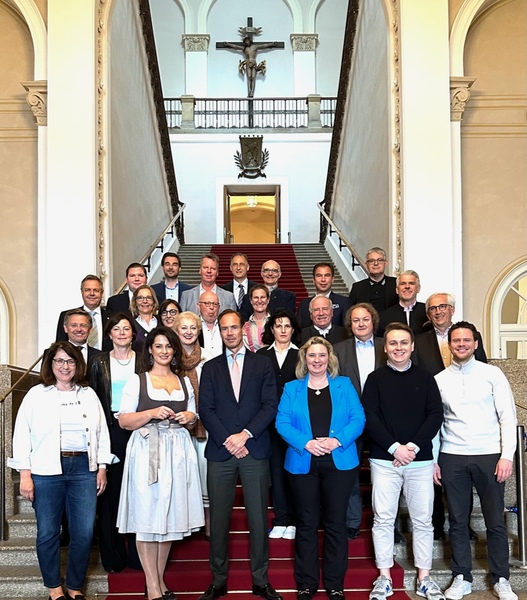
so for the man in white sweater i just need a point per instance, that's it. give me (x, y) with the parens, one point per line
(478, 441)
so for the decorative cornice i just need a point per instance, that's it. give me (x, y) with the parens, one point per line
(196, 42)
(459, 96)
(304, 42)
(37, 98)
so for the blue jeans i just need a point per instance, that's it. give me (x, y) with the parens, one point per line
(75, 491)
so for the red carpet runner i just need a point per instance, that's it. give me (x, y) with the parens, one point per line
(283, 254)
(188, 571)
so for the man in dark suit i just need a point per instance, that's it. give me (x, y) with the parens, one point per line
(240, 285)
(135, 276)
(407, 310)
(92, 293)
(238, 402)
(279, 298)
(358, 356)
(323, 277)
(77, 325)
(432, 352)
(378, 289)
(170, 287)
(321, 311)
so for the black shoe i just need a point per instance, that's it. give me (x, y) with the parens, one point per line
(213, 592)
(472, 534)
(168, 595)
(306, 594)
(76, 597)
(353, 533)
(439, 534)
(266, 591)
(398, 537)
(336, 595)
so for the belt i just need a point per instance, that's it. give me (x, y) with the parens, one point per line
(68, 453)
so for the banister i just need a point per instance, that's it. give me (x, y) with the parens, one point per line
(356, 260)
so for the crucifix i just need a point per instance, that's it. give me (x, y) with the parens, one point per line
(250, 66)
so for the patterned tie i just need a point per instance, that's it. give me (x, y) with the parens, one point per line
(241, 294)
(235, 376)
(93, 338)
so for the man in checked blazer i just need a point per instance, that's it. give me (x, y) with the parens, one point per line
(238, 402)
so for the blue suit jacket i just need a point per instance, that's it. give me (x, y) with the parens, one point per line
(160, 290)
(222, 415)
(294, 425)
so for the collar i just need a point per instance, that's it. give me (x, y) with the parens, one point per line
(455, 366)
(367, 344)
(399, 370)
(408, 308)
(323, 331)
(172, 288)
(290, 347)
(241, 352)
(381, 282)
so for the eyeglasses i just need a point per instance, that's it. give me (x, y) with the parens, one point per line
(272, 271)
(172, 312)
(144, 298)
(375, 261)
(439, 307)
(210, 304)
(64, 361)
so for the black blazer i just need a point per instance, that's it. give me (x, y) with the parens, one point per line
(427, 354)
(336, 334)
(280, 299)
(346, 353)
(360, 292)
(222, 415)
(246, 309)
(160, 290)
(62, 336)
(340, 308)
(119, 303)
(286, 372)
(396, 314)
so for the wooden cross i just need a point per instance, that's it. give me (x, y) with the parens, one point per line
(250, 66)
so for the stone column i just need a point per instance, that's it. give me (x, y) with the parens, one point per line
(304, 47)
(196, 46)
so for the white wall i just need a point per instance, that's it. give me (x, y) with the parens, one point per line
(204, 164)
(330, 25)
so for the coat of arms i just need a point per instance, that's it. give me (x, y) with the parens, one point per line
(251, 160)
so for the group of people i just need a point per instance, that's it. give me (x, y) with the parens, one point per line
(169, 395)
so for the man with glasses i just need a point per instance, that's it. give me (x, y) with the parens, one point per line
(321, 311)
(323, 277)
(432, 352)
(208, 308)
(377, 289)
(170, 287)
(279, 298)
(92, 293)
(135, 276)
(208, 270)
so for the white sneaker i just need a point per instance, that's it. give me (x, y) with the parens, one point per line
(277, 531)
(428, 589)
(458, 588)
(503, 590)
(289, 533)
(382, 588)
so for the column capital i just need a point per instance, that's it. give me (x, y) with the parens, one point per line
(196, 42)
(459, 96)
(37, 98)
(304, 42)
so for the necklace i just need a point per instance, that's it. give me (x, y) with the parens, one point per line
(317, 389)
(125, 362)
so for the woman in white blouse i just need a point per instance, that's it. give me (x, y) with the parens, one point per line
(161, 493)
(144, 307)
(61, 447)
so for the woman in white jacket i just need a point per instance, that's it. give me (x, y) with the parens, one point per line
(61, 447)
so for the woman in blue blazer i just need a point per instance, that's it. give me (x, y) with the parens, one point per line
(320, 417)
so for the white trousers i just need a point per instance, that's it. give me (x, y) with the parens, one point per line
(418, 489)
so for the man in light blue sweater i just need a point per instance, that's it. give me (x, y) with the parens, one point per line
(478, 441)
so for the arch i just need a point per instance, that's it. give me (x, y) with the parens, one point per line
(39, 35)
(494, 304)
(458, 33)
(312, 15)
(7, 325)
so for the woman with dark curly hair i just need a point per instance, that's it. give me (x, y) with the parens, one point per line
(161, 493)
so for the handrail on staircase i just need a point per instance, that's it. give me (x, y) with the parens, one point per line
(356, 260)
(3, 527)
(158, 244)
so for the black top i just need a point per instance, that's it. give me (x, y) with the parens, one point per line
(320, 409)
